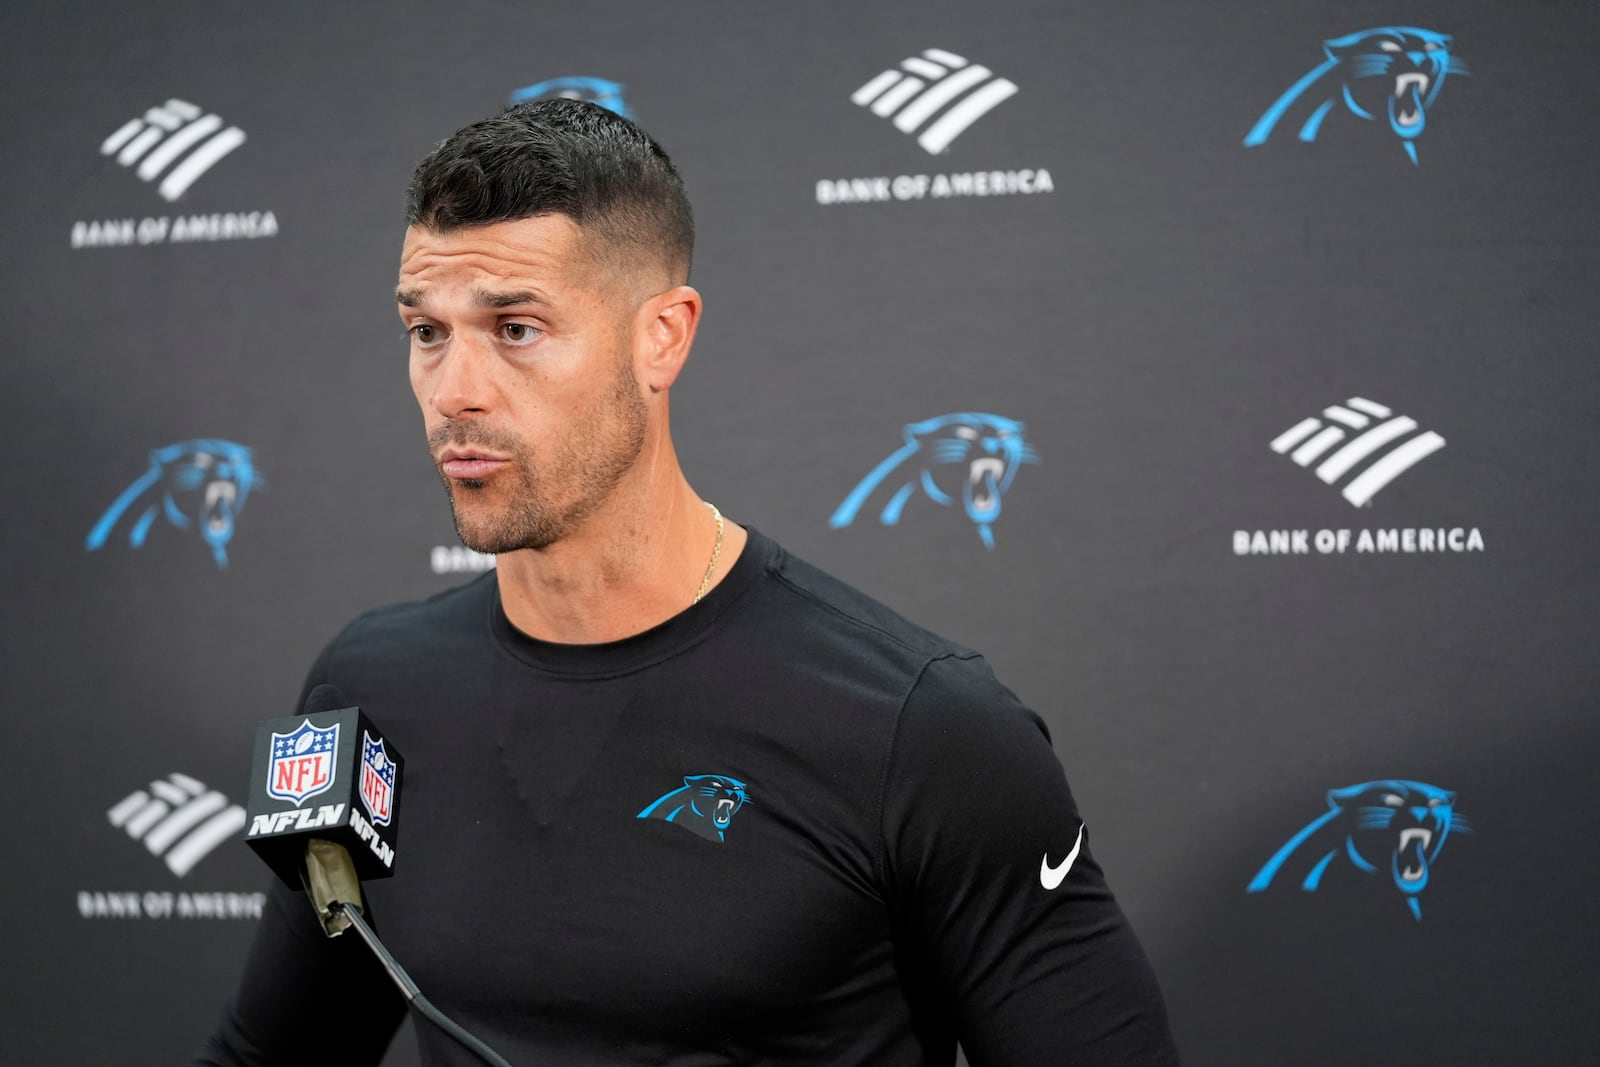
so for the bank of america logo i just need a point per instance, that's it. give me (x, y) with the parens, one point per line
(1384, 446)
(930, 83)
(175, 135)
(179, 820)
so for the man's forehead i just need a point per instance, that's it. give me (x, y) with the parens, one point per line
(517, 252)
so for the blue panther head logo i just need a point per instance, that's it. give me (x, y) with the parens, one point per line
(704, 803)
(1394, 72)
(199, 485)
(967, 456)
(1393, 826)
(608, 94)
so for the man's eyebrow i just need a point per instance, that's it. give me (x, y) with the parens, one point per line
(482, 297)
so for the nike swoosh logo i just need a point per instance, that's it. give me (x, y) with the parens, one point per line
(1049, 876)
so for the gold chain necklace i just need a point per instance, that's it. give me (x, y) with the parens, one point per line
(716, 551)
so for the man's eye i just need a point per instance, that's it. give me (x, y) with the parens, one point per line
(425, 334)
(518, 332)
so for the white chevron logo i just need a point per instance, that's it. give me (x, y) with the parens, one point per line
(1385, 446)
(926, 84)
(157, 139)
(178, 819)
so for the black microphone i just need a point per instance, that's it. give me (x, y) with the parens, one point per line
(323, 813)
(323, 807)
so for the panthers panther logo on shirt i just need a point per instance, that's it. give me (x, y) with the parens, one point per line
(1393, 826)
(198, 485)
(704, 804)
(967, 456)
(1393, 73)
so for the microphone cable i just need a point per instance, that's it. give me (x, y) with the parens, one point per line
(330, 881)
(409, 989)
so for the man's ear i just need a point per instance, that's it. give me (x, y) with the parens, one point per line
(663, 334)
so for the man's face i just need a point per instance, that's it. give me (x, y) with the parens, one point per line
(521, 358)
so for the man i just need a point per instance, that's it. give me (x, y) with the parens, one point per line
(672, 795)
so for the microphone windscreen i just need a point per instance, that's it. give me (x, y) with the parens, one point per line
(324, 698)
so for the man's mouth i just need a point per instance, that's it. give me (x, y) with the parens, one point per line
(219, 506)
(1417, 84)
(469, 463)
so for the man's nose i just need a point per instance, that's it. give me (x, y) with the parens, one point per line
(463, 381)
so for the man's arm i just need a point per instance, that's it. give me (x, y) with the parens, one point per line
(996, 893)
(304, 997)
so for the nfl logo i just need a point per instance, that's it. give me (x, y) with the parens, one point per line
(377, 780)
(302, 762)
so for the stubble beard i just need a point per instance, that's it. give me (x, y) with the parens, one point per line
(546, 504)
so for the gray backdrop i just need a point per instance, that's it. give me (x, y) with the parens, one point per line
(1159, 311)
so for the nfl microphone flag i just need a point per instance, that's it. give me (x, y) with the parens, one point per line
(329, 774)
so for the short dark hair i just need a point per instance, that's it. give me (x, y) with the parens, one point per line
(559, 157)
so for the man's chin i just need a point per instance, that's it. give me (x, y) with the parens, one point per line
(497, 539)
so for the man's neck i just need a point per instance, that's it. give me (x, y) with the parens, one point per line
(633, 565)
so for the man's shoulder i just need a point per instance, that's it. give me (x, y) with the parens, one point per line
(461, 612)
(828, 604)
(949, 701)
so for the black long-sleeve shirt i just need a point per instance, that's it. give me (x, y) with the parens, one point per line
(784, 827)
